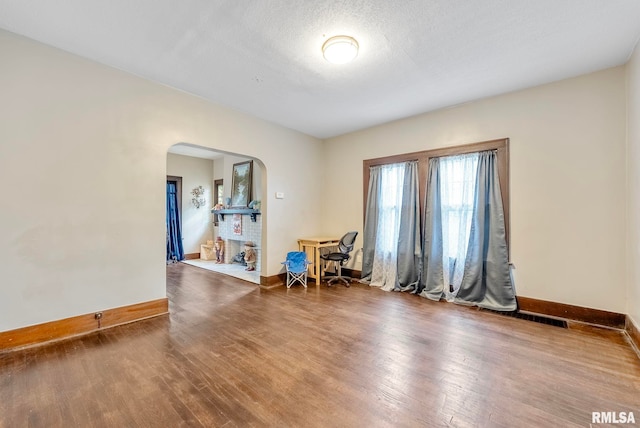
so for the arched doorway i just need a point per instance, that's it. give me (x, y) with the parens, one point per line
(207, 170)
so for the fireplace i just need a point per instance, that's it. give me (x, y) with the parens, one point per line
(234, 243)
(233, 248)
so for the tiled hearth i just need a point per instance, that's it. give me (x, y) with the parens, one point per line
(235, 270)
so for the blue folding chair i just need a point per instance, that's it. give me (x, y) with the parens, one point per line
(296, 265)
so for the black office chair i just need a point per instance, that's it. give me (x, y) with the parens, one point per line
(345, 246)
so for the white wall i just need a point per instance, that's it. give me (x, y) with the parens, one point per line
(567, 180)
(218, 169)
(633, 187)
(197, 223)
(82, 226)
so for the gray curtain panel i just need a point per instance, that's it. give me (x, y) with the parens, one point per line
(371, 222)
(409, 248)
(431, 275)
(486, 281)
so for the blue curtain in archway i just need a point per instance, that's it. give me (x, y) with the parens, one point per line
(175, 251)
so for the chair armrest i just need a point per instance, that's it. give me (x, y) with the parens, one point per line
(326, 250)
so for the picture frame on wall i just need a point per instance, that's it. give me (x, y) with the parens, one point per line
(241, 183)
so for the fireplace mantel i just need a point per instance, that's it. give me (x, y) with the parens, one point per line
(244, 211)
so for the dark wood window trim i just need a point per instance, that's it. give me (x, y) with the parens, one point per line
(216, 184)
(501, 147)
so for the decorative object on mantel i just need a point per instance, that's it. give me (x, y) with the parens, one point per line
(227, 202)
(218, 207)
(241, 184)
(198, 197)
(255, 205)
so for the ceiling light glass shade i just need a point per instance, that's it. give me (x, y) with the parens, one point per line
(340, 49)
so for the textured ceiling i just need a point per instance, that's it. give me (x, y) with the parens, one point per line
(263, 57)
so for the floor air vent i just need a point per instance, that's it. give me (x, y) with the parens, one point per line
(530, 317)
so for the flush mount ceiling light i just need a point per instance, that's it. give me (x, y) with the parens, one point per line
(340, 49)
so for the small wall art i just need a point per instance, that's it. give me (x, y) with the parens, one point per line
(237, 224)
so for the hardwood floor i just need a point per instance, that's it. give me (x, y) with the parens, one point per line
(233, 355)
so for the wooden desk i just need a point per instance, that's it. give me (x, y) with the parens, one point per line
(312, 246)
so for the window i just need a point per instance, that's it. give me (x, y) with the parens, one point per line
(457, 189)
(390, 202)
(444, 233)
(457, 186)
(500, 146)
(218, 195)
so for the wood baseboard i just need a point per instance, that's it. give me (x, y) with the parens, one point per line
(192, 256)
(571, 312)
(634, 333)
(273, 281)
(81, 324)
(352, 273)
